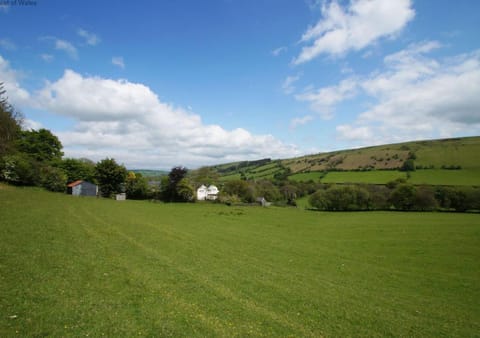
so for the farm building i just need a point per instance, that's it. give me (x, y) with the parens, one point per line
(204, 193)
(82, 188)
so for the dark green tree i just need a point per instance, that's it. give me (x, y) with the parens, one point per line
(174, 188)
(240, 188)
(42, 146)
(319, 200)
(110, 177)
(78, 169)
(403, 197)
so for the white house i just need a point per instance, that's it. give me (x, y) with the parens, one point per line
(204, 193)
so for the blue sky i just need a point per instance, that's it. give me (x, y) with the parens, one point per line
(161, 83)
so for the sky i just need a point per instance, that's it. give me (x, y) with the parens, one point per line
(156, 83)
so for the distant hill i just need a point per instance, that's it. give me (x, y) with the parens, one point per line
(454, 161)
(150, 173)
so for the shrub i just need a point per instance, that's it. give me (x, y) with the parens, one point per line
(403, 197)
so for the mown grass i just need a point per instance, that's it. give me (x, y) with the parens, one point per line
(85, 266)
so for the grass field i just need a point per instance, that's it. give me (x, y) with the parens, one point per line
(92, 267)
(305, 177)
(370, 177)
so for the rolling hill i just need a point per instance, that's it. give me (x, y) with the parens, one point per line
(454, 161)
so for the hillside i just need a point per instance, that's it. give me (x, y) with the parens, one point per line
(445, 161)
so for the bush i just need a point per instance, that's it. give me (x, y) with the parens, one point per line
(341, 198)
(53, 179)
(425, 199)
(403, 197)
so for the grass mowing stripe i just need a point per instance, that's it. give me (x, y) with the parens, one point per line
(205, 281)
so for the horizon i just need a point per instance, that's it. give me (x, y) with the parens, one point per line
(159, 84)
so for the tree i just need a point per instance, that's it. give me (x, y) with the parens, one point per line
(110, 176)
(408, 165)
(136, 186)
(41, 145)
(265, 188)
(403, 197)
(185, 191)
(204, 175)
(319, 200)
(53, 179)
(20, 169)
(10, 124)
(425, 199)
(78, 169)
(240, 188)
(176, 187)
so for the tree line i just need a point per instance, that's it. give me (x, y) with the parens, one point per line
(35, 158)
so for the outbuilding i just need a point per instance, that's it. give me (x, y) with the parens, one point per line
(82, 188)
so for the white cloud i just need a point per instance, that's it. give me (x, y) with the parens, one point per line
(324, 99)
(419, 97)
(118, 61)
(288, 85)
(67, 47)
(31, 124)
(300, 121)
(90, 38)
(7, 44)
(128, 121)
(359, 25)
(17, 96)
(279, 50)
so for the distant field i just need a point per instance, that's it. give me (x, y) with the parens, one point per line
(92, 267)
(371, 177)
(446, 177)
(305, 177)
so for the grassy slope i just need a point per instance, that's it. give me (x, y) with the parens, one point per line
(83, 266)
(447, 152)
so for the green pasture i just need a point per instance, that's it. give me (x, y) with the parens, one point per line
(445, 177)
(94, 267)
(369, 177)
(305, 177)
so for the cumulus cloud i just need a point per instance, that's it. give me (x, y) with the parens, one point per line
(17, 96)
(355, 27)
(90, 38)
(324, 99)
(129, 122)
(118, 61)
(416, 96)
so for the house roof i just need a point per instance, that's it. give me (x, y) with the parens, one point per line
(73, 184)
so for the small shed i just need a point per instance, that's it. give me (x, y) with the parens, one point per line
(82, 188)
(263, 202)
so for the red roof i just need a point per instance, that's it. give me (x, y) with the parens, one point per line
(73, 184)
